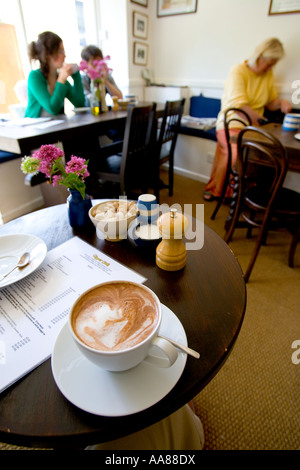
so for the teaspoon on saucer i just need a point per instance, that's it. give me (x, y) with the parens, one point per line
(185, 349)
(23, 261)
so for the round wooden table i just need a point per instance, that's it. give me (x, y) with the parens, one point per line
(208, 296)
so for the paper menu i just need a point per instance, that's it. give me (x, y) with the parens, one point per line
(34, 309)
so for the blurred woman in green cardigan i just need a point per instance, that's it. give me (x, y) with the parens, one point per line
(48, 86)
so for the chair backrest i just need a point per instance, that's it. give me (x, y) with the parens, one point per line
(234, 115)
(262, 165)
(170, 123)
(137, 138)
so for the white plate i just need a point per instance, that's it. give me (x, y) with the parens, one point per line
(297, 136)
(105, 393)
(11, 248)
(81, 110)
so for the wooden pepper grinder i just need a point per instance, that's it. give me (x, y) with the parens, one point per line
(171, 252)
(115, 103)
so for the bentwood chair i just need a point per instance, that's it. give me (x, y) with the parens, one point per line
(130, 168)
(262, 202)
(231, 115)
(166, 142)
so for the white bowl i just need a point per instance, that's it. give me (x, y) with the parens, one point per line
(147, 236)
(113, 218)
(123, 103)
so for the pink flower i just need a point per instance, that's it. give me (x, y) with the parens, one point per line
(98, 70)
(77, 165)
(56, 180)
(47, 155)
(48, 160)
(83, 65)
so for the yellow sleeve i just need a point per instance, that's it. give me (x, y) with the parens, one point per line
(235, 93)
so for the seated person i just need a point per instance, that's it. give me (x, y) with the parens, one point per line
(250, 87)
(48, 86)
(89, 54)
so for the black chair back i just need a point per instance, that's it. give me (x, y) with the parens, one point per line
(230, 115)
(131, 165)
(166, 142)
(137, 143)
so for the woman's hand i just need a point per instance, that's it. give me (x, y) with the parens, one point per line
(285, 106)
(64, 73)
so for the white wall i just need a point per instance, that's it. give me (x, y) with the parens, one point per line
(198, 49)
(16, 199)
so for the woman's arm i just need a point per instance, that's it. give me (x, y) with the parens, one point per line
(75, 92)
(284, 105)
(38, 86)
(254, 115)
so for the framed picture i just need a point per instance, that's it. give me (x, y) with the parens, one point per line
(140, 53)
(175, 7)
(279, 7)
(144, 3)
(140, 25)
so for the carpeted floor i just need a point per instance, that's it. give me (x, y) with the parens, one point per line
(253, 402)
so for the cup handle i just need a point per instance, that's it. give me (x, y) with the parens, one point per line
(170, 353)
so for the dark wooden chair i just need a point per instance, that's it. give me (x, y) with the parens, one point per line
(230, 172)
(262, 202)
(130, 168)
(166, 142)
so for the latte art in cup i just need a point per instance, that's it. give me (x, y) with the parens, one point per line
(115, 316)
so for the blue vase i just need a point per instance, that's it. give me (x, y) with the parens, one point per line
(78, 210)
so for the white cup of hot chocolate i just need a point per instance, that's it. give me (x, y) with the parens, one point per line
(115, 325)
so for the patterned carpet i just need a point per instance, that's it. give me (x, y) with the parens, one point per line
(253, 402)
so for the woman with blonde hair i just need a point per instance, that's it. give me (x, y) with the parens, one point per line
(249, 87)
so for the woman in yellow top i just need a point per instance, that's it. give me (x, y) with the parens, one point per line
(250, 87)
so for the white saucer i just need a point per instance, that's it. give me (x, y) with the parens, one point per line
(11, 248)
(115, 393)
(81, 110)
(297, 136)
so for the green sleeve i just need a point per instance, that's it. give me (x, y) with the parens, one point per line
(75, 93)
(38, 88)
(54, 104)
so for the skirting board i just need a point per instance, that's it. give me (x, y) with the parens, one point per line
(23, 209)
(188, 174)
(191, 174)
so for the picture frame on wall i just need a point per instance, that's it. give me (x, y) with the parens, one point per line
(175, 7)
(140, 25)
(143, 3)
(140, 53)
(280, 7)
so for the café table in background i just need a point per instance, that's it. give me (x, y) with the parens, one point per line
(287, 139)
(75, 131)
(78, 132)
(208, 296)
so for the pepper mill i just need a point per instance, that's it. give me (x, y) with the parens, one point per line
(115, 106)
(171, 251)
